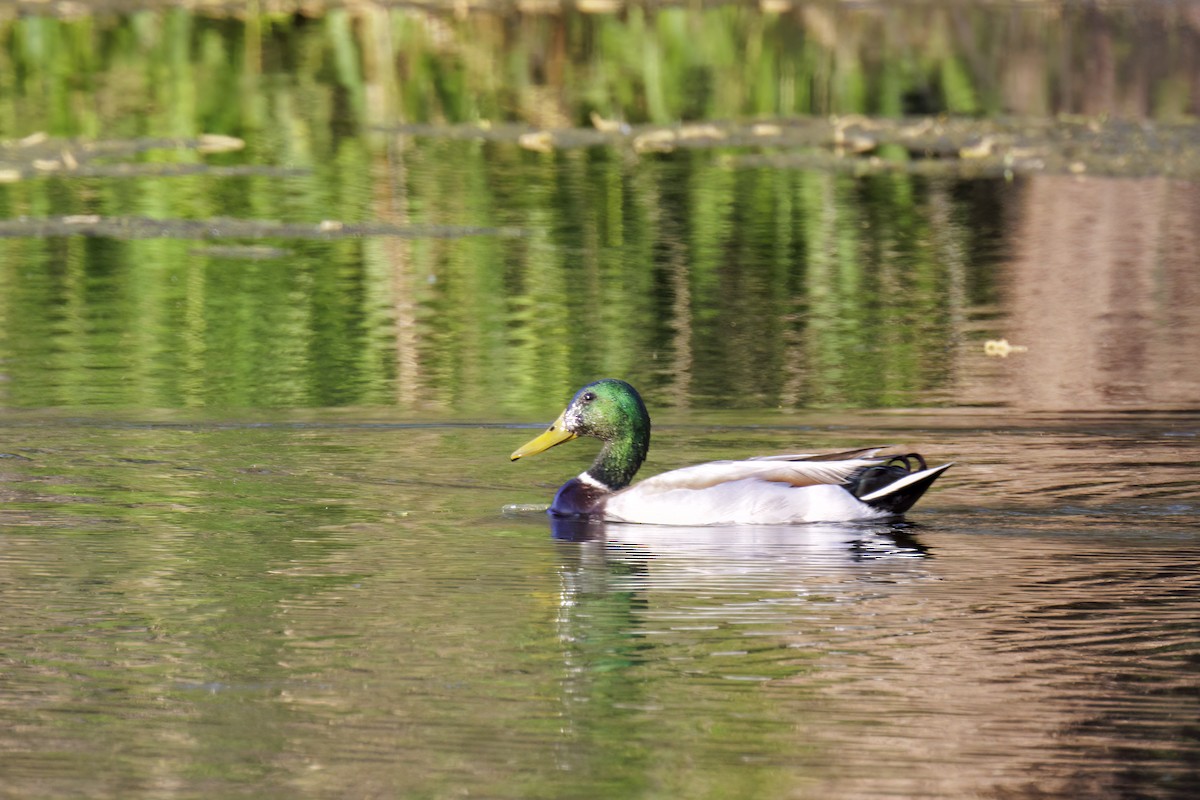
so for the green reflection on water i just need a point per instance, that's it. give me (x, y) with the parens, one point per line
(255, 615)
(704, 282)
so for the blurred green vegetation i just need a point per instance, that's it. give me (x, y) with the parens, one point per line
(707, 283)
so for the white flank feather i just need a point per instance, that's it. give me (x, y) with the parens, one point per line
(744, 492)
(744, 502)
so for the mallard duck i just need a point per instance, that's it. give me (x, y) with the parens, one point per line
(765, 490)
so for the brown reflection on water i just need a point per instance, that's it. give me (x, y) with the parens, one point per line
(989, 658)
(1043, 659)
(1104, 293)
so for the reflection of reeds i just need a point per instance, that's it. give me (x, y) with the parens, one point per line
(710, 260)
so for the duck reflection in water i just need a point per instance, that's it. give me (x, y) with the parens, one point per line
(632, 596)
(854, 542)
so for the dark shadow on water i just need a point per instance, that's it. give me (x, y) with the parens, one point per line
(576, 530)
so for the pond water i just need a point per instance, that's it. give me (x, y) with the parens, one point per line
(340, 607)
(281, 289)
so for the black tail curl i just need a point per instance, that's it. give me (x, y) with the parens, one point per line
(875, 478)
(872, 479)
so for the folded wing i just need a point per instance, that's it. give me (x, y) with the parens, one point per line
(794, 473)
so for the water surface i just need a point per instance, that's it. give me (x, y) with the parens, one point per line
(342, 607)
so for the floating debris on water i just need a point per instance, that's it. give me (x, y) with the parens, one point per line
(1000, 348)
(980, 148)
(954, 146)
(538, 141)
(706, 131)
(661, 140)
(218, 143)
(38, 155)
(608, 125)
(514, 509)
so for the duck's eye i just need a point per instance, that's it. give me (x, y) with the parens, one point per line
(588, 397)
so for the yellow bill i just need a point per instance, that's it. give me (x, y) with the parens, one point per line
(556, 434)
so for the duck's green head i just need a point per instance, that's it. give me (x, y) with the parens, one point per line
(610, 410)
